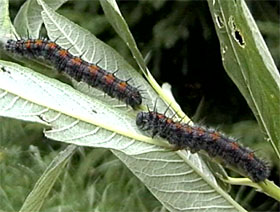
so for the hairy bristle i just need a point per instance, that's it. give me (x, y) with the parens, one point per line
(197, 138)
(76, 68)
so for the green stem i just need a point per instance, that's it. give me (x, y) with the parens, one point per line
(268, 187)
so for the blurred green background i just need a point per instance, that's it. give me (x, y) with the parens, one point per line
(179, 42)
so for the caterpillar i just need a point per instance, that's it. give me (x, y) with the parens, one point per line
(76, 68)
(215, 144)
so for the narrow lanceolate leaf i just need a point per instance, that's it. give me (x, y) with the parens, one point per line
(6, 28)
(249, 64)
(43, 186)
(28, 20)
(116, 19)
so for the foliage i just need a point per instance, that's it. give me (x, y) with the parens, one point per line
(95, 179)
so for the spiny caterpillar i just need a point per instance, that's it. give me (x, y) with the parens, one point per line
(215, 144)
(76, 68)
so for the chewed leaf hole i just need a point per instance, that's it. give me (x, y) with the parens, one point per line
(219, 21)
(239, 38)
(237, 35)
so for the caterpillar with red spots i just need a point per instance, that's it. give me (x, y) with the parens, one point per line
(215, 144)
(76, 68)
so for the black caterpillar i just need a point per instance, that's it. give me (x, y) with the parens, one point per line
(76, 68)
(196, 138)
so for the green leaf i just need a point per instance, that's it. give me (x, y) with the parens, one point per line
(178, 179)
(28, 20)
(116, 19)
(6, 27)
(43, 186)
(249, 64)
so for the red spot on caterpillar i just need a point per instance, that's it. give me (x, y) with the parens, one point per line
(51, 45)
(178, 125)
(160, 116)
(188, 129)
(39, 42)
(63, 53)
(169, 121)
(122, 86)
(109, 78)
(28, 44)
(215, 135)
(93, 69)
(251, 156)
(234, 145)
(76, 61)
(200, 131)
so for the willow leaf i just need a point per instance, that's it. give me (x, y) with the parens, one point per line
(249, 64)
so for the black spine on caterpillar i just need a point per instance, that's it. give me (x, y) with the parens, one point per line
(215, 144)
(76, 68)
